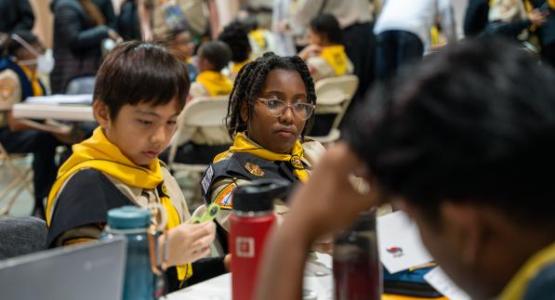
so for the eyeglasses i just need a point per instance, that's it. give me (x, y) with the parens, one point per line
(277, 107)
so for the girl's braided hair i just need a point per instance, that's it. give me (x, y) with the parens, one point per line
(249, 84)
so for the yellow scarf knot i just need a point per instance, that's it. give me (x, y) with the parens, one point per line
(241, 143)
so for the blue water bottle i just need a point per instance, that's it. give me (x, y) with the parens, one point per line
(133, 223)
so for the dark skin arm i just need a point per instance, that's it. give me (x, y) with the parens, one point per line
(327, 203)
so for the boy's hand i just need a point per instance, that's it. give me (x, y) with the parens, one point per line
(189, 242)
(329, 201)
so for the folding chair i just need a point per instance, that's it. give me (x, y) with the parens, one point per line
(21, 178)
(206, 115)
(80, 85)
(10, 164)
(333, 96)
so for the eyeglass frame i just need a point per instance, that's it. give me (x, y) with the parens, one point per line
(287, 106)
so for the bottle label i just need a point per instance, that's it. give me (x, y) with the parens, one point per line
(245, 246)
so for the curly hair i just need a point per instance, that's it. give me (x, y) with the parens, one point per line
(250, 81)
(236, 36)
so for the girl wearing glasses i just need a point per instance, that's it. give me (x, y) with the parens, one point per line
(270, 106)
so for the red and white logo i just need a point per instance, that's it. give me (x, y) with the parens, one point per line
(245, 246)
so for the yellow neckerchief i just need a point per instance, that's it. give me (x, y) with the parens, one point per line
(435, 37)
(517, 286)
(241, 143)
(551, 4)
(34, 79)
(215, 83)
(100, 154)
(259, 37)
(335, 57)
(236, 67)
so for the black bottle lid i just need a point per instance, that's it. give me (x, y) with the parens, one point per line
(259, 195)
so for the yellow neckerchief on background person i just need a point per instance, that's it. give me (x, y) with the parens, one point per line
(100, 154)
(34, 79)
(216, 83)
(236, 67)
(259, 37)
(335, 56)
(517, 286)
(241, 143)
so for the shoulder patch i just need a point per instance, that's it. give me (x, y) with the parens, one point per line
(224, 199)
(7, 89)
(207, 179)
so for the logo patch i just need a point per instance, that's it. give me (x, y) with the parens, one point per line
(225, 197)
(254, 169)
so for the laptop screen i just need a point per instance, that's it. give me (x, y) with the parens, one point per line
(89, 271)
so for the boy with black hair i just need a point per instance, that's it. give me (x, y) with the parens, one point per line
(213, 57)
(140, 90)
(464, 144)
(236, 36)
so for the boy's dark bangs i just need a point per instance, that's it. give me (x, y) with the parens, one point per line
(153, 79)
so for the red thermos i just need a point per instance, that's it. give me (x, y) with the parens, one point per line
(251, 220)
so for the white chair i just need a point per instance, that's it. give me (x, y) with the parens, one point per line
(17, 168)
(333, 96)
(81, 85)
(206, 115)
(21, 178)
(203, 117)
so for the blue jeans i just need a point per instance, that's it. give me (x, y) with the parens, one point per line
(396, 48)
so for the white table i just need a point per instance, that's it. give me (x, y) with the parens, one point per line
(65, 112)
(318, 278)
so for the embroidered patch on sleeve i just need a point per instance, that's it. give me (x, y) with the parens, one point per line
(225, 197)
(207, 180)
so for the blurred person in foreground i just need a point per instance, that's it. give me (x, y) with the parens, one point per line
(462, 143)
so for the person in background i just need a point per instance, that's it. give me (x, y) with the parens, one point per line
(513, 20)
(282, 29)
(462, 143)
(325, 55)
(236, 36)
(180, 43)
(271, 106)
(260, 38)
(356, 20)
(20, 64)
(475, 17)
(403, 32)
(546, 32)
(136, 105)
(127, 22)
(16, 15)
(79, 30)
(158, 18)
(213, 57)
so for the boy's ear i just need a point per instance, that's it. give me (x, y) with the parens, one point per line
(244, 112)
(468, 229)
(101, 114)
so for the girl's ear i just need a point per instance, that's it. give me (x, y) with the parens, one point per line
(244, 112)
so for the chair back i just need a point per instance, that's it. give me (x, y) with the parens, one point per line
(21, 235)
(333, 96)
(80, 85)
(206, 115)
